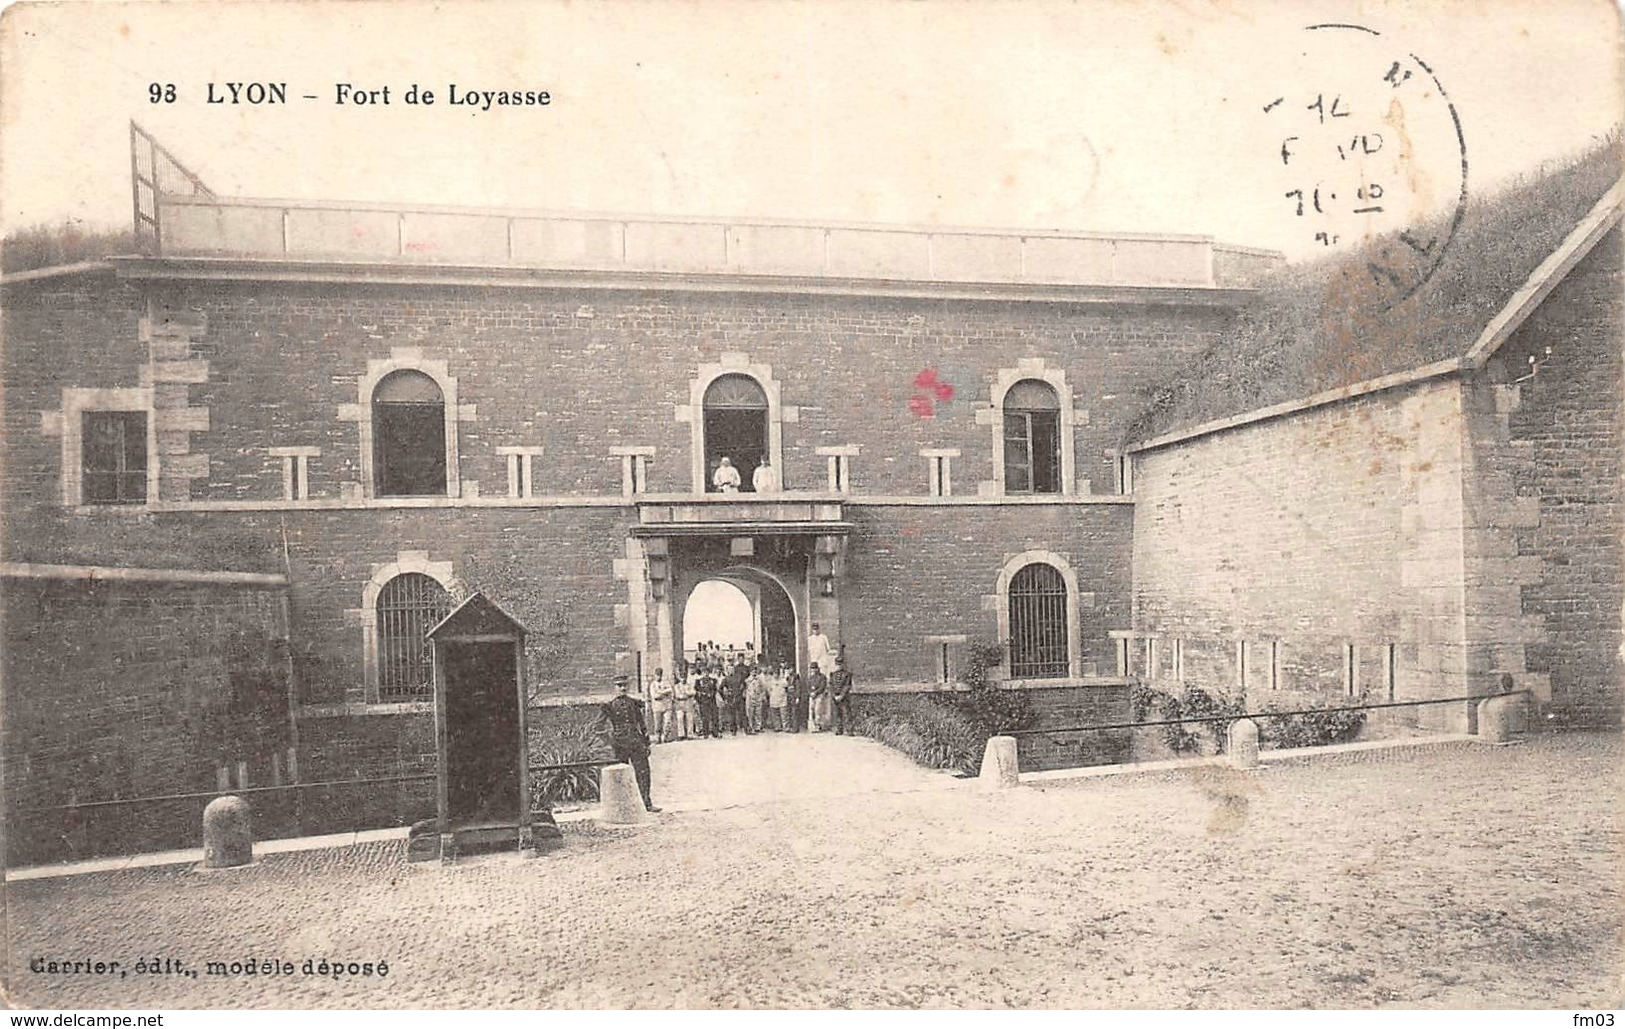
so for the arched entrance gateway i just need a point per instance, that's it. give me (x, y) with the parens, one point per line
(739, 609)
(783, 555)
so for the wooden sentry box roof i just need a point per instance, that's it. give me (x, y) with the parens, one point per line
(478, 618)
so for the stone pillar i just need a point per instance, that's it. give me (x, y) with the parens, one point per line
(1000, 770)
(1243, 745)
(1497, 717)
(228, 836)
(619, 802)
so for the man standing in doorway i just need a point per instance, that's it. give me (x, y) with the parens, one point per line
(726, 478)
(765, 479)
(629, 735)
(840, 692)
(818, 649)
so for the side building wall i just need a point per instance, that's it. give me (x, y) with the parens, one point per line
(121, 690)
(1553, 446)
(1269, 555)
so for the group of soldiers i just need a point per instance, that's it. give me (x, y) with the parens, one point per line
(731, 691)
(710, 696)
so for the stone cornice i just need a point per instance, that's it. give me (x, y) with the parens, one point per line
(380, 273)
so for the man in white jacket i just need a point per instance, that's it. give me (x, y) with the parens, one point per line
(819, 650)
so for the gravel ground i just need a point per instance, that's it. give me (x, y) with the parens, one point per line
(1474, 877)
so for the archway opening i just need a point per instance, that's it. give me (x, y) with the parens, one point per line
(742, 615)
(718, 614)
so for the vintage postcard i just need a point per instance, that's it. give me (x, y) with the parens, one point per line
(786, 505)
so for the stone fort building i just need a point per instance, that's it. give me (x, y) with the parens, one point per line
(282, 439)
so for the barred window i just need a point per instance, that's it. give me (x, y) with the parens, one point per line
(408, 436)
(114, 455)
(1032, 438)
(1038, 643)
(408, 607)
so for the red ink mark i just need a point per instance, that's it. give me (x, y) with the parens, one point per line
(421, 245)
(933, 391)
(911, 530)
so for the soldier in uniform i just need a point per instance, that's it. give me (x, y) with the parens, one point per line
(840, 692)
(629, 735)
(705, 693)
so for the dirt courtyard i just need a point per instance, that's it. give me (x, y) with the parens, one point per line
(1460, 878)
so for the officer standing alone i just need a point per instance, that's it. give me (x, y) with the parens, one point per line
(629, 735)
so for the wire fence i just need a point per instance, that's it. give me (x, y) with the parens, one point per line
(173, 821)
(1470, 701)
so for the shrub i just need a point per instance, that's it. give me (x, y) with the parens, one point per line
(1148, 703)
(1317, 728)
(931, 732)
(578, 736)
(992, 711)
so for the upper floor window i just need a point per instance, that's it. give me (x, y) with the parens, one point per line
(113, 449)
(1032, 438)
(409, 606)
(1039, 645)
(736, 435)
(408, 436)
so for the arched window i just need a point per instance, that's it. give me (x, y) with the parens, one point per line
(735, 428)
(408, 436)
(1032, 438)
(409, 605)
(1039, 647)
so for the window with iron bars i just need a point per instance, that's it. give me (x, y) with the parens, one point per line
(408, 607)
(1038, 635)
(114, 467)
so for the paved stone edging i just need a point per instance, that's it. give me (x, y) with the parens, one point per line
(1373, 750)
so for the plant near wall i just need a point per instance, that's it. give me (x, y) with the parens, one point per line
(991, 709)
(1314, 728)
(576, 739)
(931, 732)
(1150, 703)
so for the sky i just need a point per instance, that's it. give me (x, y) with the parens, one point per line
(717, 612)
(1113, 117)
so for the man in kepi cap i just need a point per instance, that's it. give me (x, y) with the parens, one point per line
(629, 735)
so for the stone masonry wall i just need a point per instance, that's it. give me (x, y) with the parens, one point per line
(1300, 536)
(1562, 432)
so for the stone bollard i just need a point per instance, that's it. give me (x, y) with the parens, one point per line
(1496, 718)
(619, 802)
(1000, 770)
(1243, 745)
(228, 837)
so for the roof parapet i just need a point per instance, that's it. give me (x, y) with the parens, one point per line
(280, 230)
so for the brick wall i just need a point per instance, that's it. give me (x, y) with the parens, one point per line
(579, 372)
(1564, 448)
(1334, 526)
(915, 572)
(106, 684)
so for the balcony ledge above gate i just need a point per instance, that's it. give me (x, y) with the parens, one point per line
(742, 514)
